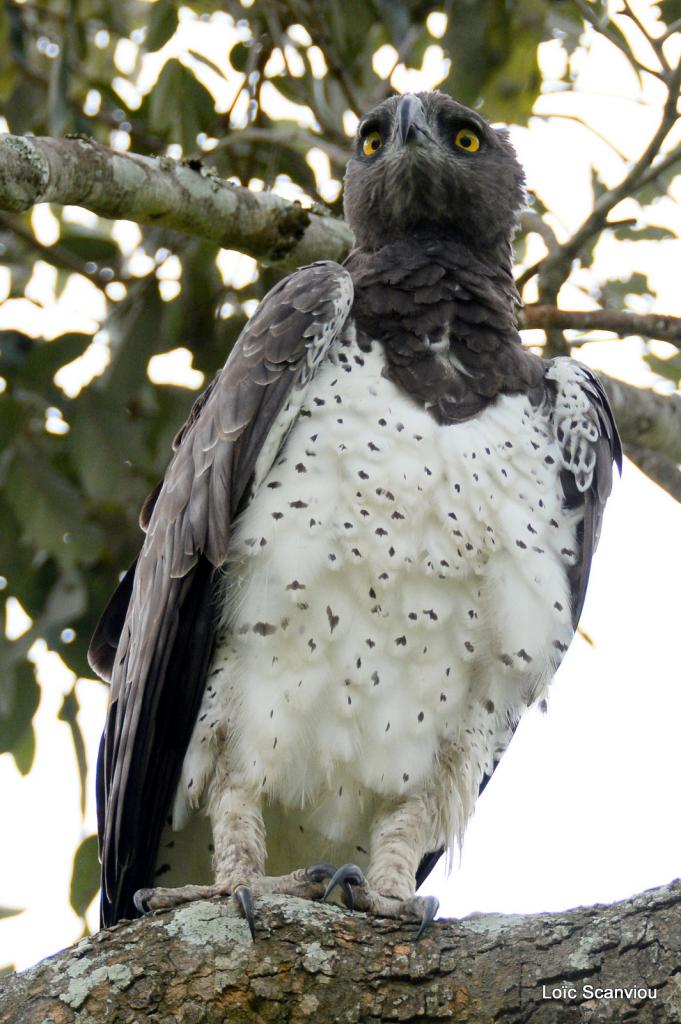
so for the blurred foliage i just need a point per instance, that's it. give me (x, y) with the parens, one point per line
(75, 465)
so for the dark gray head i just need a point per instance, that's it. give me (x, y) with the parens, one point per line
(424, 165)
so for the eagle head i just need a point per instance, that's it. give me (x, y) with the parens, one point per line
(426, 166)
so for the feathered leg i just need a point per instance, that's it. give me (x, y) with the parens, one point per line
(239, 861)
(399, 838)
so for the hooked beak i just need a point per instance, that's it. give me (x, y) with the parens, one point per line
(411, 120)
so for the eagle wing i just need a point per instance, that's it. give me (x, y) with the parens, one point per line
(586, 432)
(155, 638)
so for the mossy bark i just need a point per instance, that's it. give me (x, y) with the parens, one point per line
(320, 963)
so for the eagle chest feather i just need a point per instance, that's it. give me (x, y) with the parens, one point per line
(395, 584)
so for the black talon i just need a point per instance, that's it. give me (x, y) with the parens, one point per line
(431, 905)
(320, 872)
(244, 897)
(345, 877)
(140, 900)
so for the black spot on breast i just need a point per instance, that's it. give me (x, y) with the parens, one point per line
(301, 467)
(295, 585)
(401, 641)
(277, 515)
(264, 628)
(274, 484)
(298, 504)
(333, 619)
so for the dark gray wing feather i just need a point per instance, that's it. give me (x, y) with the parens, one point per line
(586, 431)
(156, 637)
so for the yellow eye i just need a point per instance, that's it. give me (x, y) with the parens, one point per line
(468, 140)
(372, 143)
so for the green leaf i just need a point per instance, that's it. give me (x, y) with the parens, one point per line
(634, 233)
(89, 244)
(205, 60)
(104, 443)
(614, 293)
(47, 357)
(670, 368)
(162, 24)
(180, 107)
(49, 508)
(238, 56)
(493, 49)
(23, 751)
(19, 699)
(137, 332)
(670, 10)
(68, 713)
(85, 876)
(6, 912)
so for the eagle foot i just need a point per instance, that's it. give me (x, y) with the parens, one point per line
(305, 883)
(364, 897)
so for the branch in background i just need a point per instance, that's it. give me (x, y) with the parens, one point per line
(160, 191)
(165, 193)
(555, 267)
(587, 11)
(660, 468)
(57, 255)
(650, 427)
(651, 325)
(319, 963)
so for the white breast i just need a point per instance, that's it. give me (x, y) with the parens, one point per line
(394, 583)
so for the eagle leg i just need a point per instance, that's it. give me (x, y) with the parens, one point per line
(368, 899)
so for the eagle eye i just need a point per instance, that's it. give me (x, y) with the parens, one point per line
(372, 143)
(467, 139)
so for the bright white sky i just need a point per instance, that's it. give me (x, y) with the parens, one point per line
(585, 805)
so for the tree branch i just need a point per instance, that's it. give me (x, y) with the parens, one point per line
(163, 192)
(646, 419)
(319, 962)
(651, 325)
(555, 267)
(160, 191)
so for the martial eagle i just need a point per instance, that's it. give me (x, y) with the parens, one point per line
(367, 557)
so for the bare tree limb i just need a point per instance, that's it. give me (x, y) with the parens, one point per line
(660, 468)
(163, 192)
(651, 325)
(555, 267)
(314, 962)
